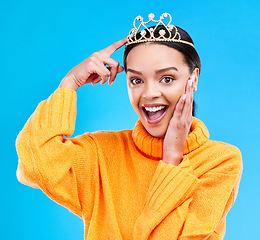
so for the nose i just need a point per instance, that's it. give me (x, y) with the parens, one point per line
(151, 91)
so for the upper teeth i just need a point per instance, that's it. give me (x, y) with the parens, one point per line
(154, 109)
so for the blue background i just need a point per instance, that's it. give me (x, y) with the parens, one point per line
(40, 41)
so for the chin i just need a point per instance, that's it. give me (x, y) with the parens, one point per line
(158, 132)
(157, 135)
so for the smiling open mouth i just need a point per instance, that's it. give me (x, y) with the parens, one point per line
(154, 114)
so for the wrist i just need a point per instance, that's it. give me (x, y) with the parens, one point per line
(174, 159)
(68, 83)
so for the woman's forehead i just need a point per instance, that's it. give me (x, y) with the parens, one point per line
(158, 55)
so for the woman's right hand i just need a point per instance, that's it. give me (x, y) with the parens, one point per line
(94, 70)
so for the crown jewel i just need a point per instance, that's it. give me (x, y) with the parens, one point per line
(165, 34)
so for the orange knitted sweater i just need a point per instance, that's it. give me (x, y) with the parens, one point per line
(117, 183)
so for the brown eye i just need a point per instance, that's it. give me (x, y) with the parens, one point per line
(136, 81)
(167, 80)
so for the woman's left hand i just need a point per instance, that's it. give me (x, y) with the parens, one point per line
(179, 127)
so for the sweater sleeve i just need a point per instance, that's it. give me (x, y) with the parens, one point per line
(47, 159)
(184, 204)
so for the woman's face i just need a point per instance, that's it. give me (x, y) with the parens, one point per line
(156, 78)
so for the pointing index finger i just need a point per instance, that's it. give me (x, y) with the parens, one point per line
(113, 47)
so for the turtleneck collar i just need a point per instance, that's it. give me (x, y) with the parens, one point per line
(153, 147)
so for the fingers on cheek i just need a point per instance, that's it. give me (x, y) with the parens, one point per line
(179, 106)
(187, 86)
(190, 86)
(188, 108)
(189, 98)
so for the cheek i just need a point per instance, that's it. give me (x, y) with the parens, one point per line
(130, 95)
(133, 97)
(173, 94)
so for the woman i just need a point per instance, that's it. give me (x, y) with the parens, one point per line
(162, 180)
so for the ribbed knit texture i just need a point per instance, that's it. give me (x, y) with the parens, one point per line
(117, 182)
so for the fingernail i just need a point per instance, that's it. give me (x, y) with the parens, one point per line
(120, 69)
(102, 81)
(183, 97)
(110, 83)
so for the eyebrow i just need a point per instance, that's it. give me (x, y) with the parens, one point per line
(166, 69)
(157, 71)
(133, 71)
